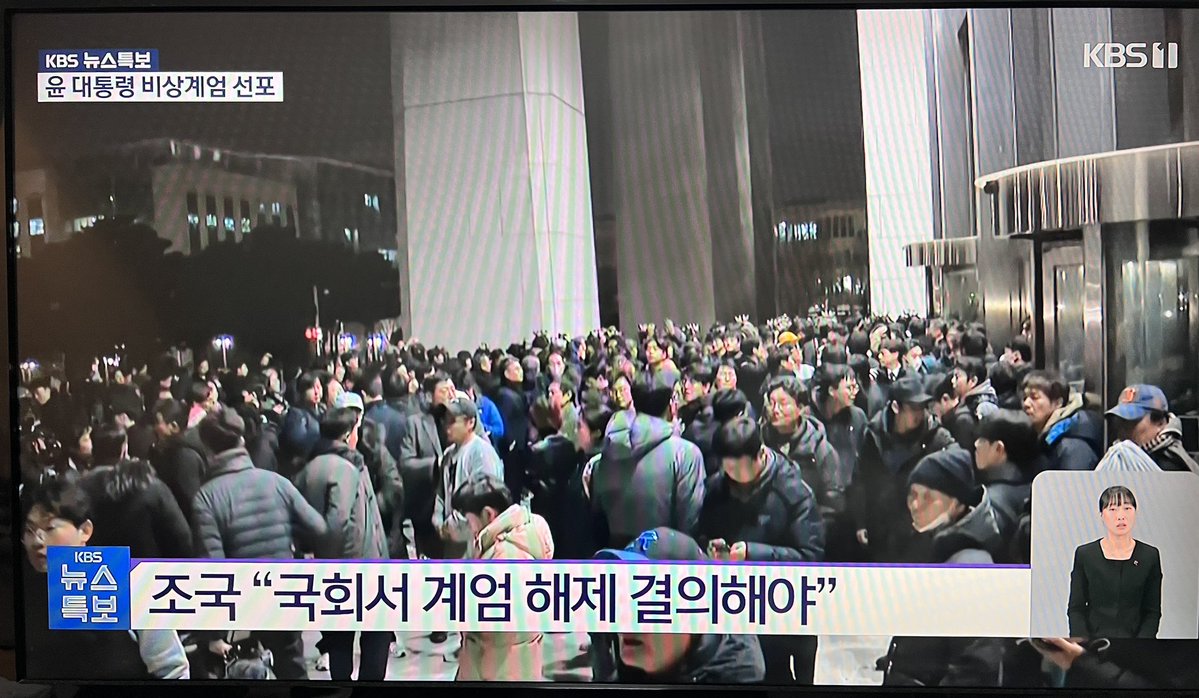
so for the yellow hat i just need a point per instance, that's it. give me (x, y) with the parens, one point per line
(787, 338)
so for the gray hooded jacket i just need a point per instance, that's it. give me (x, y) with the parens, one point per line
(647, 476)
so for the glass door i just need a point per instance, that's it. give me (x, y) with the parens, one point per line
(1062, 311)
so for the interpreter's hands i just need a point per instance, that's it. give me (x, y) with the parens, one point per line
(863, 539)
(1060, 651)
(738, 552)
(220, 648)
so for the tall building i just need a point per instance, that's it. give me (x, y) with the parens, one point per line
(1046, 182)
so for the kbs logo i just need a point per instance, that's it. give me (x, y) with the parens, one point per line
(59, 61)
(1135, 55)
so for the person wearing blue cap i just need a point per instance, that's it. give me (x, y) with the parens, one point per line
(672, 658)
(1142, 415)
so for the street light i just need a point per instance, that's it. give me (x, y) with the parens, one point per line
(223, 342)
(28, 366)
(375, 344)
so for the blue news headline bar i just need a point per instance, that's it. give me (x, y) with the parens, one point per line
(109, 60)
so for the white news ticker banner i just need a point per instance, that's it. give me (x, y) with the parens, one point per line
(161, 86)
(600, 596)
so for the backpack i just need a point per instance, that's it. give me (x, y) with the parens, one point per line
(248, 661)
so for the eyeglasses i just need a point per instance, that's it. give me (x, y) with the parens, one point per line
(40, 534)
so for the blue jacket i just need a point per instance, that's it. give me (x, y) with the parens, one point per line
(301, 431)
(489, 415)
(1073, 439)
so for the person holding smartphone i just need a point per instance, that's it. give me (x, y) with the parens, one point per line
(1116, 585)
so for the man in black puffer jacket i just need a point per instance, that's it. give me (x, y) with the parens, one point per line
(759, 509)
(896, 440)
(243, 512)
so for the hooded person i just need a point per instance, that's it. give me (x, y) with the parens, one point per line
(955, 525)
(976, 398)
(896, 440)
(503, 529)
(1071, 436)
(1142, 415)
(672, 658)
(647, 475)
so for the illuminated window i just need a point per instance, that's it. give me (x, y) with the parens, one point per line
(349, 235)
(37, 226)
(195, 241)
(230, 221)
(389, 255)
(210, 216)
(245, 216)
(276, 209)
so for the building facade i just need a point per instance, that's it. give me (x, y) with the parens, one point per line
(194, 195)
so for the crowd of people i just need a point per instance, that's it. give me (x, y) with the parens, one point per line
(833, 439)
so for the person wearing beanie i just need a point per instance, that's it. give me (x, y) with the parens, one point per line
(955, 525)
(672, 658)
(953, 519)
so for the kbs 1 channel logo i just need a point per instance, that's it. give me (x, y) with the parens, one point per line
(1137, 54)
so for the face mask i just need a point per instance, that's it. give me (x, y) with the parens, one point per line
(934, 524)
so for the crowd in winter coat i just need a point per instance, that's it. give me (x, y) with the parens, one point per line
(590, 467)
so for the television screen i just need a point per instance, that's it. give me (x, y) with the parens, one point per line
(725, 347)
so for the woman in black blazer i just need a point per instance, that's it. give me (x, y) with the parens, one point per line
(1116, 585)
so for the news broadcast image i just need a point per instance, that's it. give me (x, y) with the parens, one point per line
(687, 347)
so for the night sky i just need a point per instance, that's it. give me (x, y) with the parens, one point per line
(337, 99)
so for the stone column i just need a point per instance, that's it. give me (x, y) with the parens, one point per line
(683, 189)
(495, 239)
(900, 205)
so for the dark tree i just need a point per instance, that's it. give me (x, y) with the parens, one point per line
(110, 284)
(260, 290)
(115, 284)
